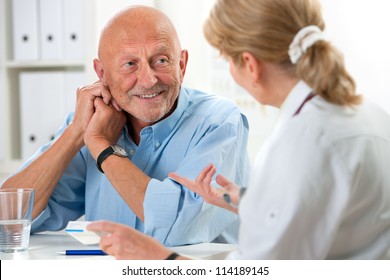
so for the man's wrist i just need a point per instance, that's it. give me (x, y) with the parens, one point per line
(96, 147)
(75, 136)
(110, 150)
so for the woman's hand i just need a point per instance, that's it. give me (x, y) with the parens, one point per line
(211, 195)
(97, 117)
(126, 243)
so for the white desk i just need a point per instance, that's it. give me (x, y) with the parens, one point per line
(45, 246)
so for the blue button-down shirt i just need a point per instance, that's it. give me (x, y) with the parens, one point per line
(203, 129)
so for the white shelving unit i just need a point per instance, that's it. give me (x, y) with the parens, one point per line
(10, 146)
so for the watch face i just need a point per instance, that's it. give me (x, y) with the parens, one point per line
(118, 150)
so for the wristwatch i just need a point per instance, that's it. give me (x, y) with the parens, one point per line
(111, 150)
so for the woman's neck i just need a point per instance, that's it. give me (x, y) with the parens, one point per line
(276, 84)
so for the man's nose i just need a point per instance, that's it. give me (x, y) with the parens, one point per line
(147, 77)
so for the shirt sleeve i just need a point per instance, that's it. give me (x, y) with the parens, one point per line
(175, 215)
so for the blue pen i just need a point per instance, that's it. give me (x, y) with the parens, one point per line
(82, 252)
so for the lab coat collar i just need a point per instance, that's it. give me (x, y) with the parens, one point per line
(293, 100)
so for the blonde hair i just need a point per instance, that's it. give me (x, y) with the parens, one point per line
(266, 28)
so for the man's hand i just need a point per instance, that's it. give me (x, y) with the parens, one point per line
(85, 108)
(98, 117)
(104, 127)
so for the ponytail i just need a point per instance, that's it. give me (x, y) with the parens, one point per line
(322, 67)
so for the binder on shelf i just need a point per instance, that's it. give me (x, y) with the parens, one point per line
(41, 100)
(73, 80)
(51, 29)
(25, 29)
(74, 32)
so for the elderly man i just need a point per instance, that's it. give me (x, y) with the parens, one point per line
(129, 130)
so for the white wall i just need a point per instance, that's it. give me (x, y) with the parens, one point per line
(188, 17)
(361, 30)
(106, 9)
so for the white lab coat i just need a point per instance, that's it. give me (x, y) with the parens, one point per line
(320, 188)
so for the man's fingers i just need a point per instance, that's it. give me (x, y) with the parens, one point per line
(105, 94)
(116, 106)
(98, 102)
(97, 89)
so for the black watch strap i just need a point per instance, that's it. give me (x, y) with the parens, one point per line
(103, 155)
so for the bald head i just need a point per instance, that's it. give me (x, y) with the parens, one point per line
(141, 64)
(137, 25)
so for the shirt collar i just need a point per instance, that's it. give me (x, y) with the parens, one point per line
(294, 99)
(164, 127)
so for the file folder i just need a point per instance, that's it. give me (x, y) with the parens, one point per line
(25, 29)
(41, 102)
(74, 29)
(51, 29)
(73, 80)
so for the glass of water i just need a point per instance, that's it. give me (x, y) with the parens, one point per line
(16, 206)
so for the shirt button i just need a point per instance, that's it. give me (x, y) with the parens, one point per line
(157, 144)
(132, 152)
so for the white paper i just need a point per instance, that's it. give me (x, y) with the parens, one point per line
(78, 230)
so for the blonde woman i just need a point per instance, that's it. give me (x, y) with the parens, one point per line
(320, 187)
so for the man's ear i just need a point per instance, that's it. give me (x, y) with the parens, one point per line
(98, 66)
(183, 64)
(252, 65)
